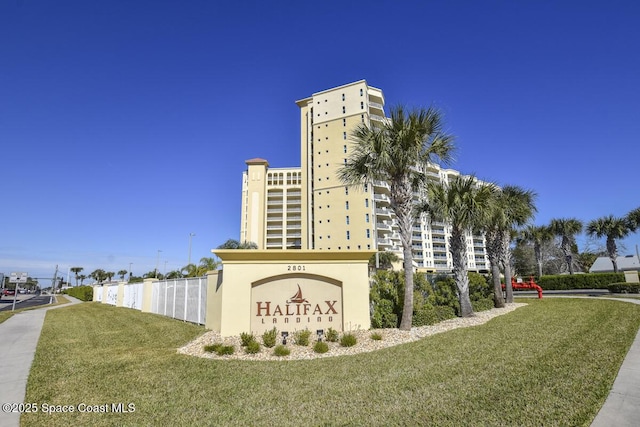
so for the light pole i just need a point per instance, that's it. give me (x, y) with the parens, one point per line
(130, 264)
(190, 236)
(158, 262)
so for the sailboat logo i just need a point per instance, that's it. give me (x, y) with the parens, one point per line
(297, 298)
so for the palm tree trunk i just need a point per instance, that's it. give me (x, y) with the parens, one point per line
(538, 252)
(459, 255)
(403, 207)
(507, 267)
(493, 253)
(613, 253)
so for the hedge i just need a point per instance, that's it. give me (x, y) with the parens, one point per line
(84, 293)
(624, 288)
(561, 282)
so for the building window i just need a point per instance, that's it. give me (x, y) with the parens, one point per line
(348, 235)
(343, 96)
(344, 110)
(346, 205)
(366, 188)
(362, 105)
(344, 135)
(360, 92)
(347, 219)
(346, 191)
(362, 117)
(344, 149)
(345, 161)
(368, 247)
(344, 122)
(366, 203)
(366, 217)
(368, 234)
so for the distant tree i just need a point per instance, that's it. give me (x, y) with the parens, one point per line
(234, 244)
(82, 278)
(98, 275)
(466, 206)
(566, 229)
(109, 275)
(76, 271)
(537, 236)
(612, 228)
(175, 274)
(189, 270)
(209, 264)
(122, 273)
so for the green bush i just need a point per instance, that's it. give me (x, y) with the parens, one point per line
(212, 348)
(561, 282)
(624, 288)
(252, 347)
(83, 293)
(247, 338)
(482, 304)
(301, 337)
(225, 350)
(332, 335)
(376, 336)
(348, 340)
(321, 347)
(269, 337)
(281, 350)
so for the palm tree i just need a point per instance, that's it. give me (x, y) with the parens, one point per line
(209, 264)
(518, 208)
(122, 273)
(538, 235)
(109, 275)
(76, 271)
(395, 152)
(82, 278)
(98, 275)
(612, 228)
(633, 219)
(189, 270)
(465, 205)
(567, 228)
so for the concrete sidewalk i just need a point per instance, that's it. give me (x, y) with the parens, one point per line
(622, 407)
(18, 341)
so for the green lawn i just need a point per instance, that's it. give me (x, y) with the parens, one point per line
(550, 363)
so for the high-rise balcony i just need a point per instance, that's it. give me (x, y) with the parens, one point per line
(383, 212)
(383, 226)
(381, 198)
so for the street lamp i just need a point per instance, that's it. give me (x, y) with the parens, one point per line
(130, 264)
(158, 262)
(190, 236)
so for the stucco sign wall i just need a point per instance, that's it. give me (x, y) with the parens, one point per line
(289, 290)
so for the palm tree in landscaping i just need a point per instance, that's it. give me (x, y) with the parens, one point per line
(465, 205)
(513, 206)
(234, 244)
(612, 228)
(395, 152)
(208, 264)
(538, 236)
(566, 229)
(633, 219)
(122, 273)
(82, 278)
(76, 271)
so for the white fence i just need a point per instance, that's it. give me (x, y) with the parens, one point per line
(183, 299)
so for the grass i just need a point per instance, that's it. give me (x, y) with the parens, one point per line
(550, 363)
(6, 314)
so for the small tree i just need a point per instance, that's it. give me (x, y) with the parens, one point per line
(76, 271)
(612, 228)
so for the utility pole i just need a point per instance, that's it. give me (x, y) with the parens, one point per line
(190, 236)
(53, 283)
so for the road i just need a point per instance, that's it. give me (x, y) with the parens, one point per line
(6, 303)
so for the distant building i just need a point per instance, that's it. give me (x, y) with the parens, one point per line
(308, 207)
(625, 263)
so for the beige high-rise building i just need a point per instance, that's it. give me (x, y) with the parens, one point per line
(310, 208)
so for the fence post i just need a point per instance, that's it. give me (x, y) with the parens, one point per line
(147, 294)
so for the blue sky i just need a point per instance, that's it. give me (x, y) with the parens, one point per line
(124, 125)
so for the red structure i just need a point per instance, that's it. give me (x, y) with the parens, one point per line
(525, 285)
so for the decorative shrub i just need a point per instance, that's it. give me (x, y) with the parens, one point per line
(269, 337)
(212, 348)
(281, 350)
(252, 347)
(624, 288)
(482, 304)
(579, 281)
(246, 338)
(321, 347)
(348, 340)
(83, 293)
(376, 336)
(332, 335)
(301, 337)
(225, 350)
